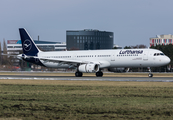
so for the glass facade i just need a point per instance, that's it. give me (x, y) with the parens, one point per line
(89, 40)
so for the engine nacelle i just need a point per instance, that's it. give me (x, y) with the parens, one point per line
(118, 70)
(88, 68)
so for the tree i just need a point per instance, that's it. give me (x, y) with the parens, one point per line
(4, 59)
(139, 46)
(135, 47)
(0, 54)
(127, 47)
(115, 47)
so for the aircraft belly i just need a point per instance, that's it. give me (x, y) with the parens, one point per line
(56, 65)
(134, 62)
(104, 64)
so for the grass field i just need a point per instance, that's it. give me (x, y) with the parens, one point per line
(37, 99)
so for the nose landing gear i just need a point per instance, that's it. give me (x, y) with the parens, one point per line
(150, 74)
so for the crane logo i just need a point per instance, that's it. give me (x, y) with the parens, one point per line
(27, 45)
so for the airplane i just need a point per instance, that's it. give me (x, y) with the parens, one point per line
(91, 61)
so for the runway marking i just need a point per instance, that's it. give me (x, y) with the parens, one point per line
(93, 79)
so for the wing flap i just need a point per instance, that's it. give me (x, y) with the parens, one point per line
(70, 62)
(62, 61)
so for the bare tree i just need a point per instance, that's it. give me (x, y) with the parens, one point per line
(4, 59)
(142, 46)
(138, 46)
(0, 54)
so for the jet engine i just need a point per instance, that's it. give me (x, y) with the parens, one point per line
(88, 68)
(118, 70)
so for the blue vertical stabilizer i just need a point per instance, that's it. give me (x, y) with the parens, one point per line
(28, 45)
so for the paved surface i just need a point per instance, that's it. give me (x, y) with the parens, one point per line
(136, 79)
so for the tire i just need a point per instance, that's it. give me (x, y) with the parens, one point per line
(99, 74)
(150, 75)
(78, 74)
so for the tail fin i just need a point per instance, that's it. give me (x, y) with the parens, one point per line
(28, 45)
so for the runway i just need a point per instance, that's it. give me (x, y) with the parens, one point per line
(88, 78)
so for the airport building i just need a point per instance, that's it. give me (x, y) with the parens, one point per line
(161, 40)
(89, 39)
(14, 47)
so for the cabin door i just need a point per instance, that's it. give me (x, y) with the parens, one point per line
(74, 56)
(145, 55)
(112, 57)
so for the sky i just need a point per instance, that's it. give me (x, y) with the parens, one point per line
(133, 22)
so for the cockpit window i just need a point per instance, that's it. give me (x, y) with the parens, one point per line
(159, 54)
(162, 54)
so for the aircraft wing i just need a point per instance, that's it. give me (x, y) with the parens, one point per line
(68, 61)
(71, 63)
(102, 64)
(62, 60)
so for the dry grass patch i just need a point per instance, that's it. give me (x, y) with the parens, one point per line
(87, 83)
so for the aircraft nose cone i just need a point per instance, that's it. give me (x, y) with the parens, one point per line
(167, 60)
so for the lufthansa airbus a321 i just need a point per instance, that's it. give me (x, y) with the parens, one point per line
(90, 61)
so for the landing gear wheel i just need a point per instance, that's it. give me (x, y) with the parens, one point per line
(150, 75)
(99, 74)
(78, 74)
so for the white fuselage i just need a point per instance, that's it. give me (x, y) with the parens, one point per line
(109, 58)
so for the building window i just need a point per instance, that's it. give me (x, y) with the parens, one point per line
(164, 40)
(170, 40)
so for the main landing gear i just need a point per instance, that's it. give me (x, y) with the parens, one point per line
(150, 74)
(78, 74)
(99, 74)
